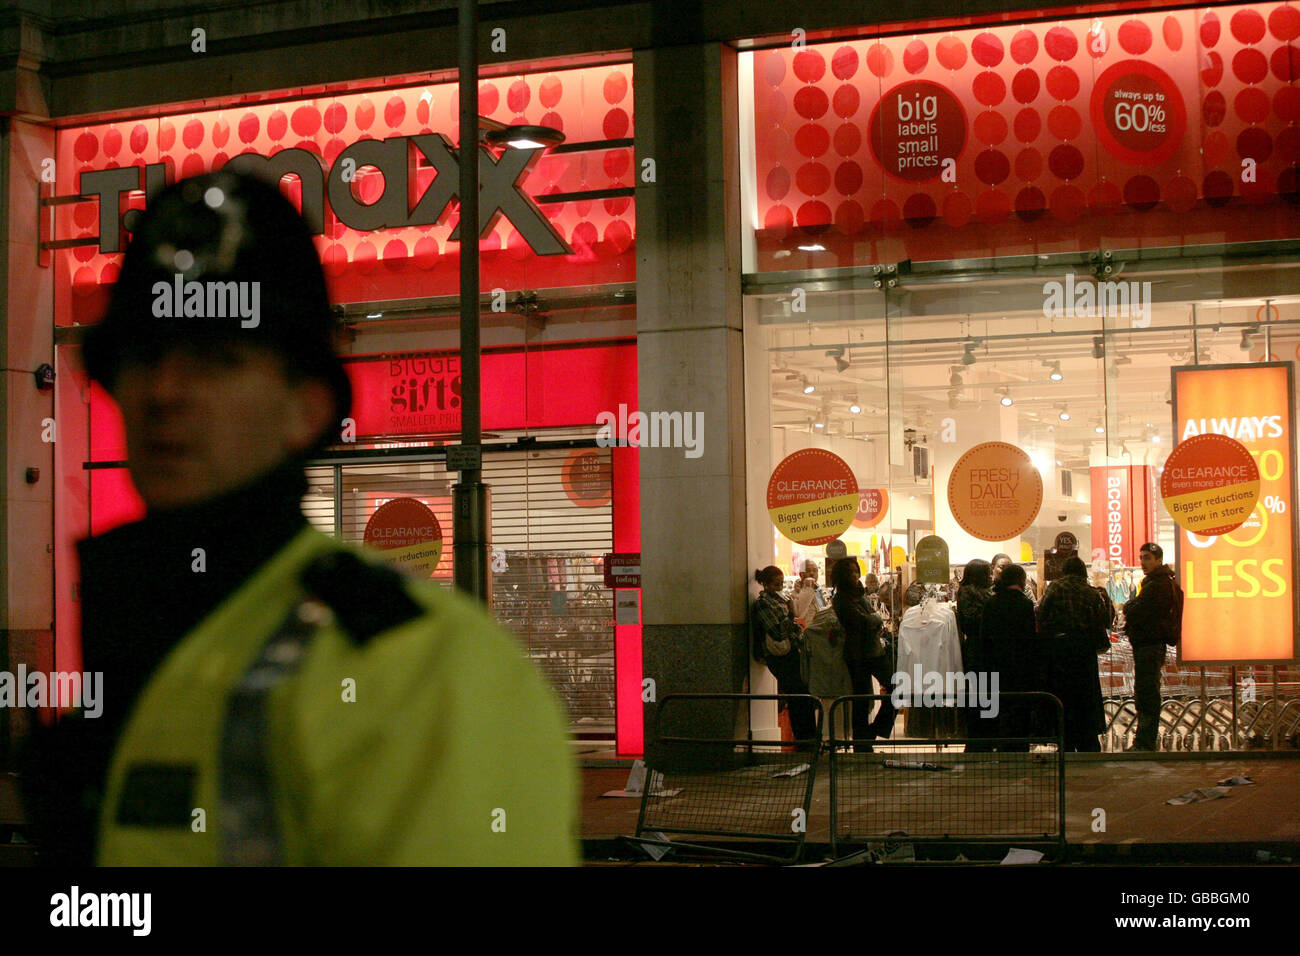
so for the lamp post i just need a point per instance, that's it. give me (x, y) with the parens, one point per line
(470, 496)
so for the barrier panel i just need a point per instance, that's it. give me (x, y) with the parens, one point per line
(701, 783)
(931, 790)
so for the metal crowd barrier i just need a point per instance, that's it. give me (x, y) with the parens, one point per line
(738, 791)
(913, 790)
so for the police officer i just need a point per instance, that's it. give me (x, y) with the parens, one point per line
(272, 694)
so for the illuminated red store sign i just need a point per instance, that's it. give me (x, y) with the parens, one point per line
(396, 157)
(376, 177)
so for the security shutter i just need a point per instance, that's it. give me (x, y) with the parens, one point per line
(552, 523)
(552, 592)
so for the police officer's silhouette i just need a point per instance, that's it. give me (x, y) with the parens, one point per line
(271, 695)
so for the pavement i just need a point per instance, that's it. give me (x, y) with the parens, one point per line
(1253, 823)
(1139, 826)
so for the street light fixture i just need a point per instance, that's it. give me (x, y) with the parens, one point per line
(523, 137)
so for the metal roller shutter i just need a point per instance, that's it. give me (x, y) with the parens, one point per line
(547, 541)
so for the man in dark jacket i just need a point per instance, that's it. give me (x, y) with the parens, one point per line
(1144, 617)
(1009, 635)
(1071, 618)
(973, 595)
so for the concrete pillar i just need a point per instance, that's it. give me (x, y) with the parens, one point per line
(689, 358)
(26, 341)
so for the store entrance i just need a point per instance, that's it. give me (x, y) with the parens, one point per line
(549, 536)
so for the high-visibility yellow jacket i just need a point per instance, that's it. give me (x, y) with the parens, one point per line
(433, 742)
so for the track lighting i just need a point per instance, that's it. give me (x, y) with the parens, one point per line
(808, 387)
(1055, 366)
(1098, 347)
(968, 357)
(1064, 414)
(1246, 343)
(1005, 399)
(954, 378)
(855, 408)
(841, 363)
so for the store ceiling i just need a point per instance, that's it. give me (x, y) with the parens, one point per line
(961, 362)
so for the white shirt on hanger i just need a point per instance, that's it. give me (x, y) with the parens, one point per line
(928, 636)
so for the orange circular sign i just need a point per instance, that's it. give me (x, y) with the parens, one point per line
(995, 491)
(407, 531)
(872, 505)
(812, 496)
(1210, 484)
(586, 479)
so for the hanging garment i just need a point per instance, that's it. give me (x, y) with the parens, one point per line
(928, 640)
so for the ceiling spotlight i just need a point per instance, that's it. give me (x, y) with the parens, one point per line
(1246, 343)
(954, 379)
(1005, 400)
(819, 425)
(968, 357)
(523, 137)
(808, 387)
(841, 363)
(1064, 415)
(1100, 429)
(1123, 451)
(1055, 375)
(1155, 439)
(855, 408)
(1098, 347)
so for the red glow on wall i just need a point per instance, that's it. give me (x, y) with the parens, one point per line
(629, 714)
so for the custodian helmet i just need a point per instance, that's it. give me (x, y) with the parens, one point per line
(220, 228)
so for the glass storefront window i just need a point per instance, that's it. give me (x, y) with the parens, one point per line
(901, 381)
(1015, 233)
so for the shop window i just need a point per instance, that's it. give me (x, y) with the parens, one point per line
(901, 381)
